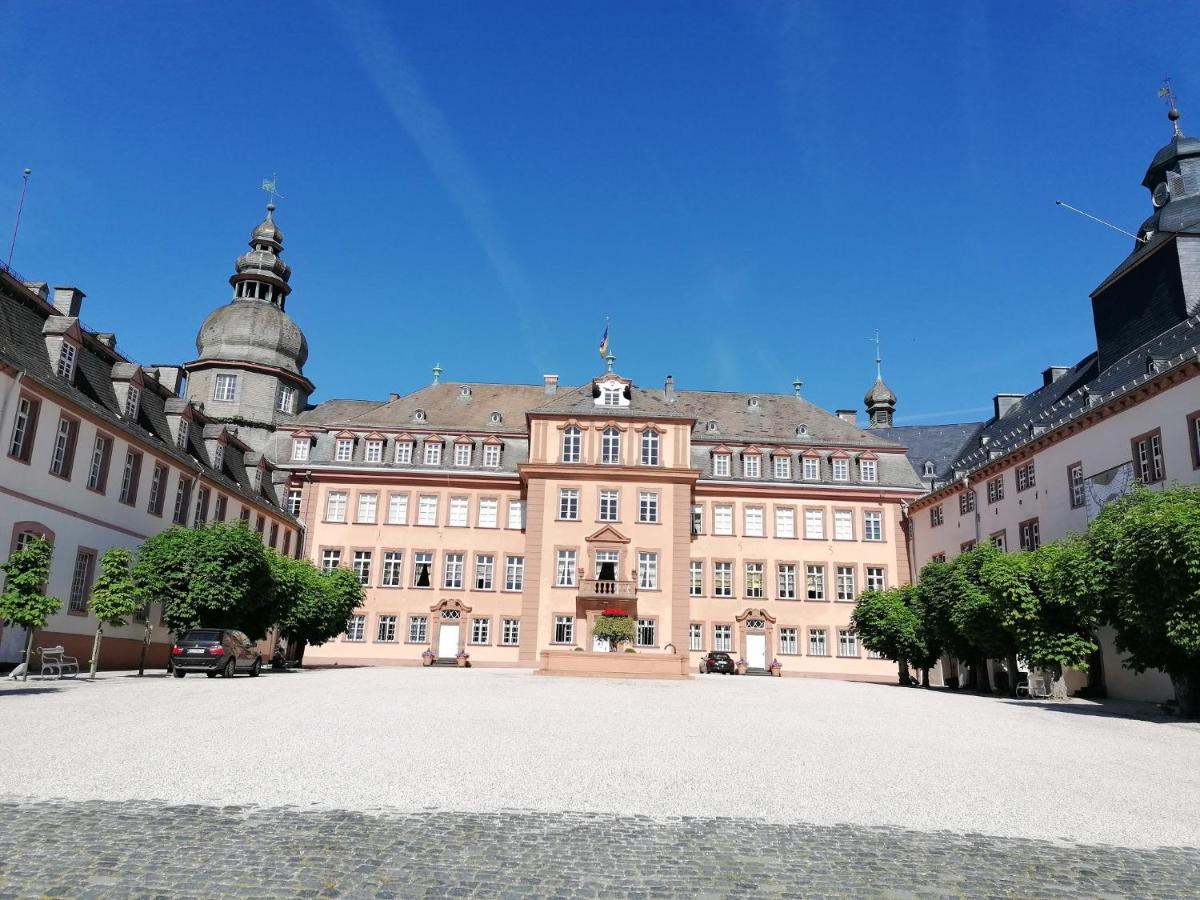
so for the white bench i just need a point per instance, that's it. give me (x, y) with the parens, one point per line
(56, 663)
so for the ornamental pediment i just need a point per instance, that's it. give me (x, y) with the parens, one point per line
(607, 535)
(751, 613)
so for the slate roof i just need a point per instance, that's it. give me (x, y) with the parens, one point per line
(940, 444)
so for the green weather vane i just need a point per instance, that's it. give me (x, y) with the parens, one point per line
(269, 185)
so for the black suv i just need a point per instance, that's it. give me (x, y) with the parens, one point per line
(215, 651)
(717, 661)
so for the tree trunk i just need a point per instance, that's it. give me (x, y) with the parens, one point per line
(1012, 674)
(28, 654)
(925, 678)
(145, 647)
(1187, 693)
(95, 660)
(300, 654)
(902, 671)
(971, 681)
(983, 683)
(1058, 684)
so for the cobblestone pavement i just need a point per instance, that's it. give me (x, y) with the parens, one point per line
(139, 849)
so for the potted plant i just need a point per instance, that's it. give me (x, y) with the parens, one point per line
(776, 668)
(463, 658)
(614, 626)
(741, 666)
(427, 658)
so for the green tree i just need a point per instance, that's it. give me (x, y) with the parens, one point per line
(888, 622)
(24, 602)
(217, 576)
(1149, 544)
(616, 629)
(312, 607)
(978, 619)
(114, 597)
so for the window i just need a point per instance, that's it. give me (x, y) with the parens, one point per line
(609, 506)
(787, 642)
(491, 456)
(995, 489)
(999, 540)
(418, 629)
(185, 430)
(647, 571)
(814, 524)
(393, 568)
(404, 452)
(422, 569)
(1025, 477)
(811, 468)
(488, 512)
(841, 468)
(510, 632)
(356, 627)
(571, 443)
(965, 546)
(81, 581)
(606, 557)
(610, 446)
(721, 465)
(158, 484)
(335, 506)
(362, 566)
(876, 578)
(564, 630)
(785, 522)
(373, 451)
(845, 584)
(516, 514)
(202, 495)
(344, 451)
(385, 631)
(697, 519)
(462, 454)
(459, 512)
(397, 509)
(225, 388)
(938, 557)
(24, 426)
(485, 570)
(966, 502)
(433, 453)
(66, 361)
(98, 468)
(751, 465)
(367, 504)
(723, 579)
(872, 526)
(133, 402)
(695, 637)
(843, 525)
(568, 504)
(815, 580)
(183, 499)
(1193, 437)
(514, 573)
(1031, 537)
(817, 643)
(722, 520)
(63, 456)
(723, 637)
(754, 580)
(285, 400)
(783, 467)
(610, 396)
(129, 477)
(847, 642)
(935, 516)
(300, 447)
(1148, 457)
(650, 442)
(647, 506)
(452, 572)
(481, 631)
(696, 578)
(645, 635)
(564, 570)
(753, 520)
(427, 508)
(786, 579)
(868, 470)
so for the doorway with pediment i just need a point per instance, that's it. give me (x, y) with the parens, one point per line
(448, 629)
(756, 631)
(601, 585)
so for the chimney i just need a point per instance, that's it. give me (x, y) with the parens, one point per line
(39, 288)
(170, 377)
(551, 384)
(1052, 374)
(1002, 403)
(68, 300)
(107, 338)
(847, 415)
(669, 389)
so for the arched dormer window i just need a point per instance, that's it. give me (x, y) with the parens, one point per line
(610, 446)
(419, 415)
(929, 473)
(572, 441)
(650, 447)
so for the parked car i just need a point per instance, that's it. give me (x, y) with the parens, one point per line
(717, 661)
(215, 651)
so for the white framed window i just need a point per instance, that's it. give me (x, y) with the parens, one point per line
(650, 447)
(785, 522)
(814, 524)
(564, 569)
(130, 476)
(433, 453)
(811, 468)
(754, 580)
(723, 579)
(568, 504)
(818, 643)
(995, 489)
(488, 512)
(373, 451)
(516, 514)
(23, 428)
(841, 468)
(1147, 457)
(335, 506)
(427, 509)
(647, 506)
(485, 571)
(403, 453)
(344, 450)
(646, 633)
(609, 506)
(185, 431)
(361, 564)
(491, 456)
(845, 584)
(751, 465)
(872, 526)
(647, 571)
(397, 509)
(459, 512)
(610, 446)
(183, 499)
(572, 441)
(356, 627)
(300, 447)
(218, 462)
(936, 516)
(330, 560)
(418, 629)
(462, 454)
(847, 642)
(514, 573)
(695, 637)
(385, 630)
(876, 578)
(98, 468)
(606, 556)
(610, 396)
(367, 507)
(720, 463)
(285, 400)
(843, 525)
(868, 470)
(481, 631)
(81, 581)
(815, 582)
(393, 568)
(422, 569)
(722, 520)
(64, 441)
(133, 402)
(510, 632)
(723, 637)
(452, 571)
(696, 578)
(753, 516)
(225, 388)
(966, 500)
(782, 467)
(787, 642)
(564, 629)
(698, 519)
(1075, 480)
(66, 361)
(786, 577)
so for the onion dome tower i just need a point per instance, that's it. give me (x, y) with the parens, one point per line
(880, 401)
(250, 365)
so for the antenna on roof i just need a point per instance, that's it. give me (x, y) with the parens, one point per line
(20, 206)
(1140, 240)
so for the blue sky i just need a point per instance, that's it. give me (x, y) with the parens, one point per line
(749, 190)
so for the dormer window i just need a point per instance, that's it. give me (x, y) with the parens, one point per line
(811, 468)
(801, 430)
(752, 403)
(610, 396)
(721, 465)
(929, 468)
(404, 450)
(495, 418)
(868, 470)
(433, 453)
(373, 451)
(285, 400)
(419, 415)
(66, 361)
(783, 467)
(219, 457)
(344, 450)
(462, 454)
(464, 392)
(491, 456)
(751, 465)
(300, 447)
(184, 430)
(841, 468)
(611, 392)
(710, 427)
(133, 402)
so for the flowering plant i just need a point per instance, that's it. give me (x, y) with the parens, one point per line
(462, 654)
(741, 662)
(776, 664)
(613, 612)
(427, 653)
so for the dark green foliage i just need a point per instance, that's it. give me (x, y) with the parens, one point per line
(23, 602)
(312, 606)
(114, 597)
(617, 629)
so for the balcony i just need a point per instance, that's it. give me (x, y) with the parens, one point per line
(607, 589)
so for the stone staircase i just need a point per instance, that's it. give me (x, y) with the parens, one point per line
(749, 671)
(445, 661)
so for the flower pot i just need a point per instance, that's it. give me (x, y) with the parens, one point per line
(776, 671)
(741, 668)
(427, 660)
(462, 662)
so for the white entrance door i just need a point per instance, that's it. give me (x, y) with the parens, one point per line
(448, 640)
(756, 651)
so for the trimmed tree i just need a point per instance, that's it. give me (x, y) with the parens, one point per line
(978, 619)
(1149, 542)
(888, 623)
(24, 602)
(312, 607)
(615, 627)
(114, 597)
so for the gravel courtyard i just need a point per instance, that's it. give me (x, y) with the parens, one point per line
(955, 793)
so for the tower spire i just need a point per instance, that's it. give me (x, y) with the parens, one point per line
(880, 401)
(878, 358)
(1168, 94)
